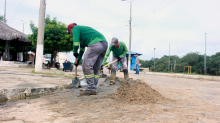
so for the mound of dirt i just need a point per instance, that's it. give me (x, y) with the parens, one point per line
(137, 92)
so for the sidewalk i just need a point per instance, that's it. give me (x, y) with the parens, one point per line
(21, 82)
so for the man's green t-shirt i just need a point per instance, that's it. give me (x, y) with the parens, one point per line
(121, 51)
(85, 36)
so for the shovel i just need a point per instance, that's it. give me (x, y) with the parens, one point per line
(110, 63)
(76, 80)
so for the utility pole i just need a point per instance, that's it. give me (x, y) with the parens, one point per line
(7, 43)
(5, 13)
(23, 26)
(129, 55)
(40, 37)
(205, 57)
(109, 54)
(154, 59)
(169, 60)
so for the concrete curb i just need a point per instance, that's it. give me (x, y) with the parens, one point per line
(210, 78)
(19, 93)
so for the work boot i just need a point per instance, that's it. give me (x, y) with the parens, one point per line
(87, 92)
(126, 76)
(113, 74)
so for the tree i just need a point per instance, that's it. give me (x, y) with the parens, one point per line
(146, 63)
(56, 38)
(2, 19)
(193, 59)
(213, 67)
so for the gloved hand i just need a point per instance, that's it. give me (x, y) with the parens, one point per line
(119, 58)
(76, 64)
(75, 54)
(101, 67)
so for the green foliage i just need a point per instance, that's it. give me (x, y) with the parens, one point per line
(56, 38)
(193, 59)
(2, 19)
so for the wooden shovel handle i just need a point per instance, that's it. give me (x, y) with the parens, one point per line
(102, 67)
(76, 68)
(110, 63)
(81, 78)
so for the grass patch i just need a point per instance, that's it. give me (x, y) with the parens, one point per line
(70, 76)
(183, 73)
(57, 74)
(191, 73)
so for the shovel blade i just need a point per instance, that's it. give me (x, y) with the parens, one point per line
(75, 81)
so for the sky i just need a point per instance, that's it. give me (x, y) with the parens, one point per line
(155, 23)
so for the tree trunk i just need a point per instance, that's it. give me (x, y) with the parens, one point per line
(53, 59)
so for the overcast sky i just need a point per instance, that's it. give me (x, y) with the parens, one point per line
(155, 23)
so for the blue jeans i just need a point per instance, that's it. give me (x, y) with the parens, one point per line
(137, 69)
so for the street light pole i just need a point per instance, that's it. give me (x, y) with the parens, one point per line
(23, 26)
(205, 57)
(154, 59)
(129, 56)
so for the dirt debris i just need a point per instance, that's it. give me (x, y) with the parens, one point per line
(103, 76)
(137, 92)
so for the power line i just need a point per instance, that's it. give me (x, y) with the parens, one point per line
(116, 21)
(155, 10)
(108, 22)
(139, 17)
(17, 9)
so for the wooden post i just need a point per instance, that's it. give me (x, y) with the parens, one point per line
(190, 69)
(26, 56)
(18, 50)
(7, 54)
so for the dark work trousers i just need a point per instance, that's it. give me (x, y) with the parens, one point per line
(92, 62)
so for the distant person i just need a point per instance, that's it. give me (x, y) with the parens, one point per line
(84, 36)
(137, 63)
(119, 50)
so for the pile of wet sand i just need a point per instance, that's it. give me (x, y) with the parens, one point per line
(137, 92)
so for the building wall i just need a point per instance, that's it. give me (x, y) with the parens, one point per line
(61, 59)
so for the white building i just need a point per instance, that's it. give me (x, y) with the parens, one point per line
(61, 58)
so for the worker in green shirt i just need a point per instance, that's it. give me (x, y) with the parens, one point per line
(119, 50)
(84, 36)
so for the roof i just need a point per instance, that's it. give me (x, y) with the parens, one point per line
(8, 33)
(133, 53)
